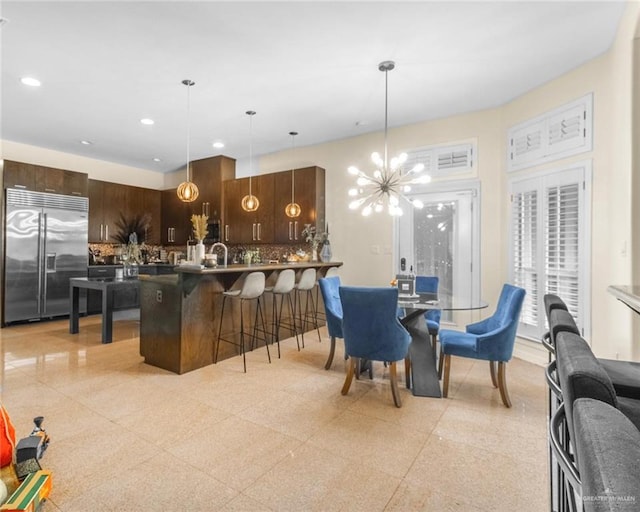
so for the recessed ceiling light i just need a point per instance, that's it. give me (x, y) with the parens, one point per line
(33, 82)
(361, 123)
(157, 160)
(86, 142)
(147, 121)
(218, 144)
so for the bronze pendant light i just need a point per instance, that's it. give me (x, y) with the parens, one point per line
(187, 190)
(293, 209)
(250, 203)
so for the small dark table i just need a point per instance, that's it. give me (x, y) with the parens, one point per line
(106, 285)
(424, 375)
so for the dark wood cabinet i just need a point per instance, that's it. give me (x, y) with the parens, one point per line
(108, 202)
(209, 174)
(309, 193)
(176, 219)
(44, 179)
(249, 227)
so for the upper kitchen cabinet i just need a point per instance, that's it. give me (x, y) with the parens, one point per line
(176, 219)
(240, 226)
(44, 179)
(110, 202)
(309, 194)
(107, 201)
(209, 174)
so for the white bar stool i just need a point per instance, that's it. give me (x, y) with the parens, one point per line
(252, 289)
(306, 284)
(283, 287)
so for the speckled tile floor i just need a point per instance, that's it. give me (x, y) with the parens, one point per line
(126, 436)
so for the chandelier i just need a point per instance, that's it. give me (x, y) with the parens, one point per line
(250, 203)
(187, 190)
(293, 209)
(389, 183)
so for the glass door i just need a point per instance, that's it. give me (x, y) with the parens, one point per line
(442, 240)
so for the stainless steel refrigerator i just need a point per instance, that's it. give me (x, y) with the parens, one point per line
(46, 243)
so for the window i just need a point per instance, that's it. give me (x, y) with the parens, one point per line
(550, 244)
(443, 160)
(557, 134)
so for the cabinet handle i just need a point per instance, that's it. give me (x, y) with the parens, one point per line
(290, 230)
(106, 232)
(259, 231)
(49, 189)
(295, 230)
(101, 231)
(226, 232)
(20, 186)
(253, 231)
(76, 193)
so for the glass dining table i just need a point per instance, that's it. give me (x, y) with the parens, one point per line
(423, 378)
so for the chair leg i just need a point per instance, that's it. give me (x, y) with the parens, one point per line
(492, 369)
(264, 327)
(445, 378)
(215, 355)
(332, 351)
(434, 343)
(292, 316)
(394, 384)
(440, 360)
(350, 371)
(502, 383)
(407, 371)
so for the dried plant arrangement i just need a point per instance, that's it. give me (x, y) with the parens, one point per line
(200, 226)
(140, 224)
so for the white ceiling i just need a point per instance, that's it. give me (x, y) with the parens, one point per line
(305, 66)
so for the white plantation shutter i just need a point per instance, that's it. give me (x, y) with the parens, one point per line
(442, 161)
(550, 241)
(557, 134)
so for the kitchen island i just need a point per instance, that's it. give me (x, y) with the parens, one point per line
(180, 314)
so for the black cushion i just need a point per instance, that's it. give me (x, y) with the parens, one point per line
(625, 376)
(608, 455)
(580, 375)
(561, 320)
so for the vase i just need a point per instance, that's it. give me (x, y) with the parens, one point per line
(325, 252)
(314, 254)
(199, 253)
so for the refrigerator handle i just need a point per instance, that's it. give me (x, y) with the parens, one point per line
(50, 263)
(42, 283)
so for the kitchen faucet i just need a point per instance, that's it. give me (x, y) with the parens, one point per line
(226, 252)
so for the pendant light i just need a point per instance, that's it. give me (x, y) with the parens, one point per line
(388, 184)
(293, 209)
(187, 190)
(250, 203)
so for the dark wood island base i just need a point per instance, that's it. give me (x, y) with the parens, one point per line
(180, 314)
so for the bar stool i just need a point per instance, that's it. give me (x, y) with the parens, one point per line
(252, 289)
(283, 287)
(331, 272)
(306, 284)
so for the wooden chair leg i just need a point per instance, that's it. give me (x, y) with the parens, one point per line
(502, 384)
(492, 369)
(350, 371)
(445, 378)
(407, 371)
(332, 351)
(440, 360)
(394, 385)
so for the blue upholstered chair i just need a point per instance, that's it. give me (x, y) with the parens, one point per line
(372, 331)
(491, 340)
(429, 284)
(329, 287)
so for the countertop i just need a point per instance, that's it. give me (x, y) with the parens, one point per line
(238, 268)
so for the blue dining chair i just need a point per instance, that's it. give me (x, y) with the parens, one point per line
(373, 332)
(491, 340)
(429, 284)
(329, 288)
